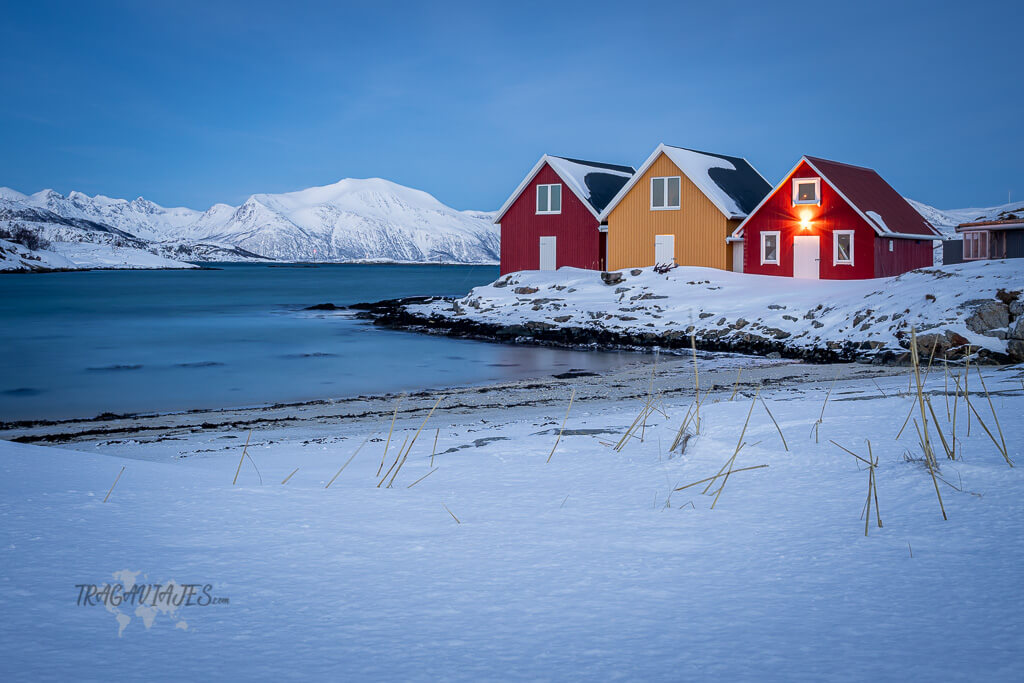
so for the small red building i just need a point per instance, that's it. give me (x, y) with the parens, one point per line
(551, 220)
(834, 221)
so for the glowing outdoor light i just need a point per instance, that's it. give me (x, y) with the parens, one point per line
(805, 219)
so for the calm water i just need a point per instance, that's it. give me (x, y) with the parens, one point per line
(80, 344)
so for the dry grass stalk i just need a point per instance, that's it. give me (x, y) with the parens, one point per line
(285, 481)
(394, 416)
(682, 429)
(874, 484)
(935, 420)
(242, 459)
(117, 479)
(413, 442)
(821, 417)
(945, 386)
(397, 456)
(866, 462)
(423, 477)
(433, 451)
(983, 426)
(879, 388)
(739, 445)
(776, 424)
(740, 469)
(451, 513)
(696, 380)
(571, 398)
(1006, 454)
(350, 458)
(967, 376)
(629, 432)
(736, 387)
(925, 441)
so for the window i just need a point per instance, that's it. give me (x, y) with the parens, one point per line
(806, 191)
(549, 198)
(842, 248)
(890, 245)
(976, 245)
(665, 193)
(770, 248)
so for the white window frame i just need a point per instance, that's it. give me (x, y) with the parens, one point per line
(972, 245)
(890, 245)
(778, 247)
(667, 178)
(836, 261)
(817, 192)
(547, 189)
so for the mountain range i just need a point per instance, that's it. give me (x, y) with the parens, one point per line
(352, 220)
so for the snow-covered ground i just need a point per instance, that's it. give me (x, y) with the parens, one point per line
(81, 256)
(872, 316)
(587, 566)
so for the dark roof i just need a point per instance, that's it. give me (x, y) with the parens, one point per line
(1004, 223)
(868, 191)
(745, 185)
(602, 187)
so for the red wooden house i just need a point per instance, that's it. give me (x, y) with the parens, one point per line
(834, 221)
(551, 220)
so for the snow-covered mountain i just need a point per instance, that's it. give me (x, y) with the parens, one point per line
(946, 221)
(353, 219)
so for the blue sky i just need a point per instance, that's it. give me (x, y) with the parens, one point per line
(191, 103)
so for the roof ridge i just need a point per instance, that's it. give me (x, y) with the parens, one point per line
(840, 163)
(597, 164)
(709, 154)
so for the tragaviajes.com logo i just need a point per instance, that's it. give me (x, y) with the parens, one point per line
(126, 596)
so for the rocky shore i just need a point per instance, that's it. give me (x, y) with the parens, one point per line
(953, 314)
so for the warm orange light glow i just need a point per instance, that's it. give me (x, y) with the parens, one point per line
(805, 219)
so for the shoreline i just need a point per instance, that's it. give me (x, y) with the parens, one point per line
(673, 376)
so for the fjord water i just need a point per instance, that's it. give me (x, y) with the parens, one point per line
(82, 344)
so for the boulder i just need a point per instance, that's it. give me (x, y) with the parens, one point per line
(1015, 349)
(1017, 308)
(611, 278)
(989, 315)
(525, 290)
(635, 272)
(1017, 329)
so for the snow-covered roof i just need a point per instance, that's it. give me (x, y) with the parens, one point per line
(867, 193)
(594, 182)
(731, 183)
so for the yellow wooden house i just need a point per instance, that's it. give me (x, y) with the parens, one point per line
(680, 207)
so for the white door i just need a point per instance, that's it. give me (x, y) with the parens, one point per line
(806, 257)
(664, 249)
(547, 253)
(737, 257)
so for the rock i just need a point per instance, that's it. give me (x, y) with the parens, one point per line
(1017, 308)
(562, 318)
(525, 290)
(790, 318)
(705, 315)
(775, 307)
(611, 278)
(324, 307)
(1017, 329)
(990, 315)
(635, 272)
(1008, 297)
(861, 317)
(501, 283)
(1015, 348)
(536, 325)
(740, 324)
(774, 355)
(816, 325)
(620, 290)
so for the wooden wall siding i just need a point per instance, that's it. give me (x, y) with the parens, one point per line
(576, 229)
(905, 255)
(778, 213)
(699, 227)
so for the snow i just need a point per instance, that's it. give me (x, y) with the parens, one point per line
(947, 220)
(581, 567)
(806, 314)
(575, 175)
(877, 218)
(351, 220)
(696, 166)
(82, 256)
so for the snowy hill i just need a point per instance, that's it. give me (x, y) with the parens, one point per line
(946, 221)
(351, 220)
(371, 219)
